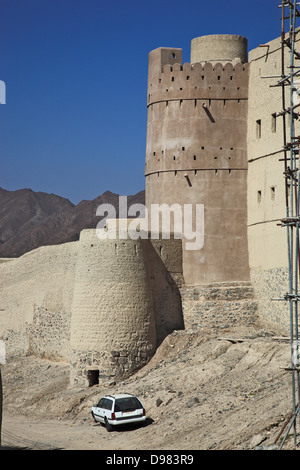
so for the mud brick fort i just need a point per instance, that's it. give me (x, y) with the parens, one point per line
(213, 138)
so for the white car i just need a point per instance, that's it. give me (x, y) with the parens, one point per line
(113, 410)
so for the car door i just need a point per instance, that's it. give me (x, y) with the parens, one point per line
(99, 411)
(107, 407)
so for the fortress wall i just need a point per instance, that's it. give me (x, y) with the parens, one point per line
(36, 297)
(196, 154)
(266, 185)
(164, 273)
(100, 303)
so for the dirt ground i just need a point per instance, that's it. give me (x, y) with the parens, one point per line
(220, 390)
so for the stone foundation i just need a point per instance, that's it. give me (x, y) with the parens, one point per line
(109, 365)
(270, 284)
(219, 305)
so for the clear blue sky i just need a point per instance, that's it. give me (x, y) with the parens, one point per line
(74, 122)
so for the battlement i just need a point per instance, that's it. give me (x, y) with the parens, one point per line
(196, 102)
(197, 81)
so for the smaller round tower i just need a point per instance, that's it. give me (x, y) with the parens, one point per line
(219, 48)
(113, 325)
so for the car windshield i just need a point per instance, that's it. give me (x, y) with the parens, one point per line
(127, 404)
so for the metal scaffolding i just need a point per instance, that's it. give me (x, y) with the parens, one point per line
(290, 72)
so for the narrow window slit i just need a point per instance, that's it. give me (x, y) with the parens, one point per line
(273, 193)
(258, 128)
(273, 123)
(259, 196)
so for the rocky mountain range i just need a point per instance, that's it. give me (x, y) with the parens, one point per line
(30, 219)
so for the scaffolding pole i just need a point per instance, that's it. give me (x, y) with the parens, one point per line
(289, 15)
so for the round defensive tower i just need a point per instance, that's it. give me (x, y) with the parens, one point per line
(196, 152)
(113, 326)
(221, 48)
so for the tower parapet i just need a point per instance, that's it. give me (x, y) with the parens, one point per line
(199, 81)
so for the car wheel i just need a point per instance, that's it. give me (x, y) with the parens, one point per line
(94, 418)
(107, 425)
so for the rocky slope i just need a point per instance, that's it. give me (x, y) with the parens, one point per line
(218, 389)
